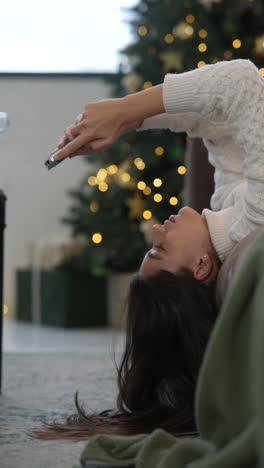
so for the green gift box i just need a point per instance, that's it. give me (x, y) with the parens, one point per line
(66, 299)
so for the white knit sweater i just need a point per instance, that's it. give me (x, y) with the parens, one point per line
(223, 104)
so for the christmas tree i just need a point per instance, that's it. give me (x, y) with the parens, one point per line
(139, 180)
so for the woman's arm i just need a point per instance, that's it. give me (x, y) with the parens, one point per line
(104, 121)
(230, 92)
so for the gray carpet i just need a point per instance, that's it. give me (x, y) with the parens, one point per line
(38, 387)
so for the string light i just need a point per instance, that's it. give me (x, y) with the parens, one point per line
(168, 38)
(237, 44)
(157, 197)
(147, 214)
(94, 207)
(202, 47)
(142, 30)
(101, 175)
(157, 182)
(190, 19)
(261, 70)
(125, 177)
(103, 187)
(174, 201)
(189, 31)
(97, 238)
(159, 151)
(147, 190)
(147, 84)
(112, 169)
(201, 64)
(182, 170)
(203, 33)
(141, 185)
(139, 163)
(92, 180)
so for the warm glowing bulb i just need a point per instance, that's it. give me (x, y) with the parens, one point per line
(125, 177)
(188, 30)
(97, 238)
(261, 70)
(168, 38)
(157, 182)
(147, 214)
(237, 44)
(139, 163)
(157, 197)
(190, 19)
(142, 30)
(101, 174)
(203, 33)
(112, 169)
(201, 64)
(103, 187)
(92, 180)
(141, 185)
(147, 84)
(5, 309)
(159, 151)
(202, 47)
(182, 170)
(174, 201)
(147, 191)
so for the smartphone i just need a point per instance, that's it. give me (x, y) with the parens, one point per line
(50, 163)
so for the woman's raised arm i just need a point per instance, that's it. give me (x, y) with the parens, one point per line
(104, 121)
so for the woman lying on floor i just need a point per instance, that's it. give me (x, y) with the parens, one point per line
(171, 306)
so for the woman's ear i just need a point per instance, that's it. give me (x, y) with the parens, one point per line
(203, 267)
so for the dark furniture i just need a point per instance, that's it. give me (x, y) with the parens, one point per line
(199, 178)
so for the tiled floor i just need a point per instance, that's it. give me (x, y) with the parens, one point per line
(26, 337)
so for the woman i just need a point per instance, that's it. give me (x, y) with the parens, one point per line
(171, 303)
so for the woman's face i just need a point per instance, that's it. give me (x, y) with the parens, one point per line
(178, 242)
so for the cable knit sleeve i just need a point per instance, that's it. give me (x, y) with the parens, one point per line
(233, 92)
(177, 123)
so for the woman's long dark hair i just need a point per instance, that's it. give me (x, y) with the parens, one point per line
(169, 320)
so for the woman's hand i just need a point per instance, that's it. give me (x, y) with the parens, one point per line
(104, 121)
(96, 129)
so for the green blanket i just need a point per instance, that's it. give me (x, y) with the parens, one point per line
(229, 397)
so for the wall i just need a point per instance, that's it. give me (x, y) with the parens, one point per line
(40, 108)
